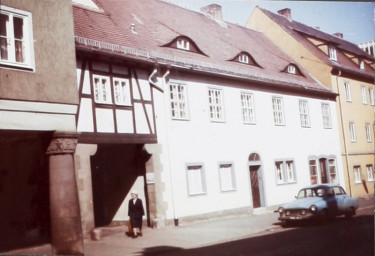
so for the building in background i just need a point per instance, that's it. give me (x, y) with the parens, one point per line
(368, 47)
(230, 124)
(38, 106)
(347, 71)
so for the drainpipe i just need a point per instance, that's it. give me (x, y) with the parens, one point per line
(344, 139)
(164, 83)
(152, 82)
(161, 89)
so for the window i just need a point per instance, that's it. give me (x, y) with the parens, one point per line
(121, 91)
(370, 172)
(326, 116)
(215, 101)
(196, 179)
(372, 96)
(278, 110)
(285, 171)
(183, 44)
(368, 132)
(361, 64)
(323, 170)
(178, 101)
(332, 53)
(353, 136)
(291, 69)
(332, 170)
(248, 110)
(347, 92)
(357, 174)
(227, 179)
(102, 89)
(304, 113)
(363, 94)
(16, 38)
(243, 58)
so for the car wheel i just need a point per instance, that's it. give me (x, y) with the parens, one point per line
(284, 223)
(349, 213)
(325, 217)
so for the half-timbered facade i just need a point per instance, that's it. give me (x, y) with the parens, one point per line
(217, 121)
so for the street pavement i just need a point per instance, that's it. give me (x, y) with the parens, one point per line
(166, 240)
(114, 242)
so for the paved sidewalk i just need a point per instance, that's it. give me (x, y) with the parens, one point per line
(114, 242)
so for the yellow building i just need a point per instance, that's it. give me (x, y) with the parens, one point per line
(347, 71)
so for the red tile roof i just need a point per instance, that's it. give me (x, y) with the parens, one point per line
(140, 29)
(300, 31)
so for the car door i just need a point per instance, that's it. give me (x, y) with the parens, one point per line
(340, 196)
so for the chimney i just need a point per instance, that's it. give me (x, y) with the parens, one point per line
(287, 13)
(214, 11)
(339, 35)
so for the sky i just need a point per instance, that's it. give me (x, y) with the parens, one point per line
(355, 20)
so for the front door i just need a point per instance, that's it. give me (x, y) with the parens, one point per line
(254, 178)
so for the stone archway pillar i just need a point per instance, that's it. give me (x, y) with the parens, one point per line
(66, 228)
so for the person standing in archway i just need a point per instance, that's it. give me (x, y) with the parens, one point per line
(136, 213)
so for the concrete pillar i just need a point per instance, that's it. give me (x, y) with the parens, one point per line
(84, 184)
(66, 228)
(155, 186)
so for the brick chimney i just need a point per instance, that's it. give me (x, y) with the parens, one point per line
(287, 13)
(214, 11)
(339, 35)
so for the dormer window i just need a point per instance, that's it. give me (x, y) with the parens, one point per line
(243, 58)
(183, 44)
(362, 64)
(291, 69)
(332, 53)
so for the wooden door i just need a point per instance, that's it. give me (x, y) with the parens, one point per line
(254, 178)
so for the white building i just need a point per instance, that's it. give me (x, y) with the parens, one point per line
(238, 125)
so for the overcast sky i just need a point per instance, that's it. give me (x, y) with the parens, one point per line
(354, 19)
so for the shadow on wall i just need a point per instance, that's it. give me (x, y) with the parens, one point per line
(114, 170)
(24, 189)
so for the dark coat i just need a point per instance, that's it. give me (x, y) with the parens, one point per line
(136, 212)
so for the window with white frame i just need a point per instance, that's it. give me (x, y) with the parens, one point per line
(326, 113)
(304, 113)
(368, 132)
(195, 179)
(353, 136)
(102, 89)
(370, 172)
(278, 110)
(285, 171)
(357, 174)
(332, 170)
(122, 91)
(348, 95)
(227, 179)
(243, 58)
(332, 53)
(313, 172)
(291, 69)
(372, 96)
(183, 44)
(248, 109)
(178, 97)
(16, 38)
(364, 94)
(216, 104)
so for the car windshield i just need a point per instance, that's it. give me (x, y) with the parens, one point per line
(311, 192)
